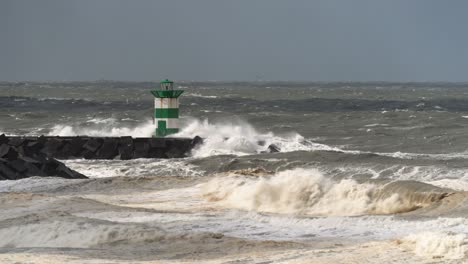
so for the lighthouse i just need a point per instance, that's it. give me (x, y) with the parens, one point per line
(166, 108)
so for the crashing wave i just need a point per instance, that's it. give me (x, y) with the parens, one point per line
(241, 138)
(308, 192)
(103, 128)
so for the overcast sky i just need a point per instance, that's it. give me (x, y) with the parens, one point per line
(329, 40)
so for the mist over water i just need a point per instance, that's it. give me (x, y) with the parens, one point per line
(383, 165)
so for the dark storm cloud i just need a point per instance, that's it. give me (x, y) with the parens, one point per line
(234, 40)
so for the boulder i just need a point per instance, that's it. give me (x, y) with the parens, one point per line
(52, 146)
(175, 152)
(141, 149)
(27, 157)
(4, 148)
(3, 139)
(18, 165)
(35, 146)
(93, 144)
(87, 154)
(76, 146)
(8, 152)
(49, 167)
(33, 170)
(108, 150)
(16, 141)
(30, 160)
(157, 153)
(157, 142)
(196, 141)
(272, 148)
(125, 148)
(6, 172)
(65, 172)
(64, 152)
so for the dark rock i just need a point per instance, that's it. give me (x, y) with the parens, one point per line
(3, 139)
(76, 146)
(30, 160)
(33, 170)
(157, 142)
(18, 165)
(41, 140)
(141, 149)
(16, 141)
(49, 167)
(93, 144)
(34, 146)
(272, 148)
(21, 150)
(196, 141)
(108, 150)
(64, 152)
(261, 143)
(41, 157)
(175, 152)
(12, 154)
(125, 148)
(8, 152)
(52, 146)
(4, 148)
(156, 153)
(28, 157)
(87, 154)
(67, 173)
(6, 172)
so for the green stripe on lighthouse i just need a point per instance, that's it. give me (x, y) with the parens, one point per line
(163, 131)
(166, 112)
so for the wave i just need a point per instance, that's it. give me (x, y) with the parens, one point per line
(241, 138)
(201, 96)
(307, 192)
(135, 167)
(59, 229)
(441, 245)
(78, 234)
(227, 138)
(104, 128)
(235, 138)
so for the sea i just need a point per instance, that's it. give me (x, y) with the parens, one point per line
(368, 172)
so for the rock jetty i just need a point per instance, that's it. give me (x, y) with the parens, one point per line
(22, 157)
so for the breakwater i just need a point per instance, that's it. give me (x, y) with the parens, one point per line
(22, 157)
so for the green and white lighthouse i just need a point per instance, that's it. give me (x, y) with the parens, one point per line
(166, 108)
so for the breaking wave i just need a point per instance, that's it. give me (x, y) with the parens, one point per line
(135, 167)
(308, 192)
(235, 138)
(64, 230)
(78, 234)
(241, 138)
(228, 138)
(103, 128)
(441, 245)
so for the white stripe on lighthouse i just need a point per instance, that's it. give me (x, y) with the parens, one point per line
(166, 102)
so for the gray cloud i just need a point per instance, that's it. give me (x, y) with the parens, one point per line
(234, 40)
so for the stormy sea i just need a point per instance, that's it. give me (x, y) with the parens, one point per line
(366, 173)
